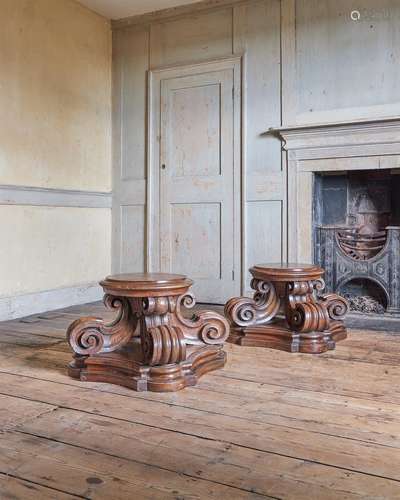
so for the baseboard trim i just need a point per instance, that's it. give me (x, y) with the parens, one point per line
(20, 306)
(49, 197)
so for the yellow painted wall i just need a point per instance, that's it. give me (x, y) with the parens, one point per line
(55, 95)
(47, 248)
(55, 87)
(55, 132)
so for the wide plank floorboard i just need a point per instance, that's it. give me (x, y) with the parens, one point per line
(269, 425)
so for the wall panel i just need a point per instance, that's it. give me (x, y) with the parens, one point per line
(264, 231)
(257, 36)
(347, 68)
(131, 55)
(132, 238)
(193, 38)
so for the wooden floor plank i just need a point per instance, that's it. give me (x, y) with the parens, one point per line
(227, 434)
(258, 472)
(14, 411)
(271, 424)
(365, 422)
(14, 488)
(89, 474)
(122, 409)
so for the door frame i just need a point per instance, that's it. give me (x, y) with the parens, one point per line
(155, 76)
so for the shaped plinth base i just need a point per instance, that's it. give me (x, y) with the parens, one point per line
(277, 335)
(127, 368)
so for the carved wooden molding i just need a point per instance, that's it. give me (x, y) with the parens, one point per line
(51, 197)
(175, 13)
(383, 132)
(18, 306)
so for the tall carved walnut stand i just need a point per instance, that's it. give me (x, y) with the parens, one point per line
(150, 345)
(286, 312)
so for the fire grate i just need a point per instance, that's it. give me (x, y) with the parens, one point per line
(360, 246)
(348, 255)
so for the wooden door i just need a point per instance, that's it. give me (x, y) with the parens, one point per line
(199, 188)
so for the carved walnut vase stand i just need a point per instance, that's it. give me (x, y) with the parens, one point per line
(151, 345)
(286, 311)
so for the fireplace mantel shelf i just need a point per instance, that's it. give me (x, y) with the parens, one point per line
(342, 134)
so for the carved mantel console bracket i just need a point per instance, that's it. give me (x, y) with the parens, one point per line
(152, 344)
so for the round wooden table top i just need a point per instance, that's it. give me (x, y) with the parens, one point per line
(286, 271)
(146, 284)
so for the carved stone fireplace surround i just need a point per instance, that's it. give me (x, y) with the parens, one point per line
(339, 147)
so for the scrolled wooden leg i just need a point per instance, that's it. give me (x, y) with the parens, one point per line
(204, 327)
(88, 336)
(260, 309)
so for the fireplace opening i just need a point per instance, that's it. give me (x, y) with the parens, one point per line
(356, 217)
(361, 204)
(364, 296)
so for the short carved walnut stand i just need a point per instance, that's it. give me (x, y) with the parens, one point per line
(286, 312)
(151, 345)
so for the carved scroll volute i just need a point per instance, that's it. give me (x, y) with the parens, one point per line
(306, 313)
(336, 306)
(260, 309)
(206, 327)
(303, 312)
(88, 336)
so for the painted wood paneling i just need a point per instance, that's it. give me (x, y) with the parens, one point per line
(250, 29)
(265, 239)
(131, 55)
(347, 68)
(134, 52)
(196, 240)
(195, 144)
(132, 238)
(257, 35)
(193, 38)
(304, 61)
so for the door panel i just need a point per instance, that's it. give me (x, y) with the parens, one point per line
(198, 187)
(195, 144)
(206, 218)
